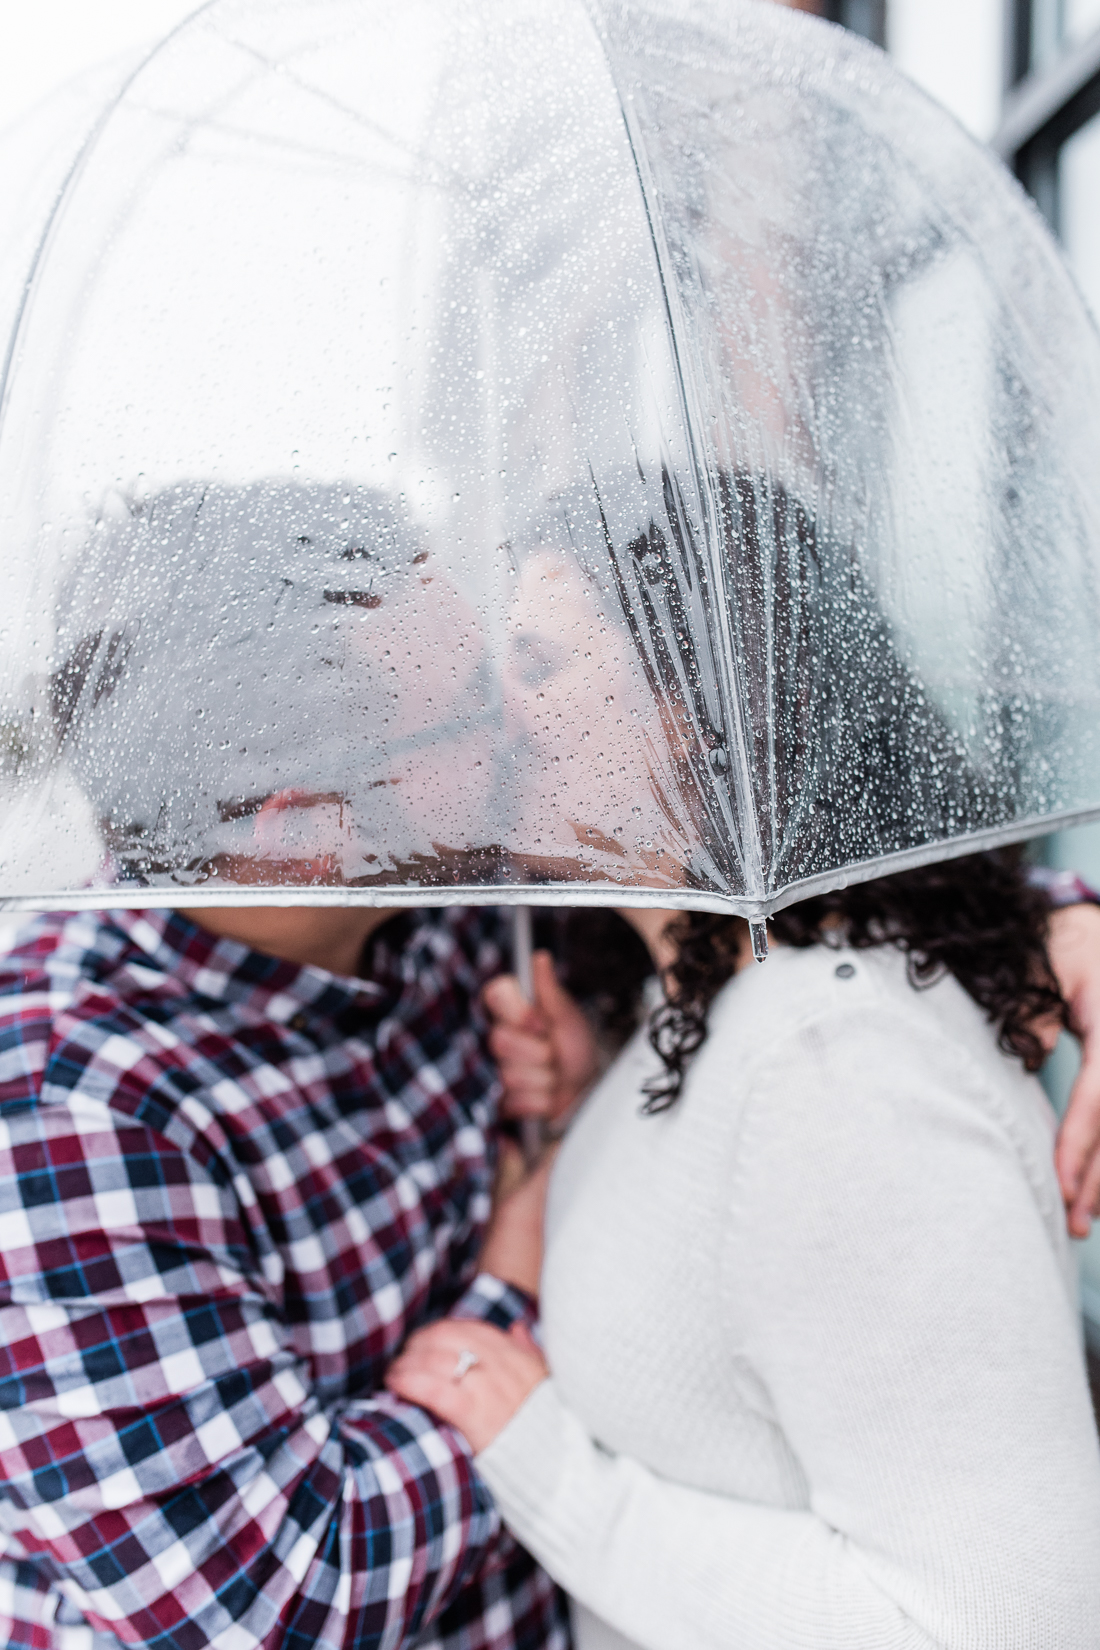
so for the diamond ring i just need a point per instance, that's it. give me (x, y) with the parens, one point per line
(466, 1362)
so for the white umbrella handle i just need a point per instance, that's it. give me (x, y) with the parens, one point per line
(530, 1128)
(758, 928)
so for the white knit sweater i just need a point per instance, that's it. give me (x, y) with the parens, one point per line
(817, 1380)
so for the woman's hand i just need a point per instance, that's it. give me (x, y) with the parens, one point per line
(435, 1371)
(1073, 944)
(546, 1050)
(512, 1250)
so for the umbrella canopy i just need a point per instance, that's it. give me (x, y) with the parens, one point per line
(623, 451)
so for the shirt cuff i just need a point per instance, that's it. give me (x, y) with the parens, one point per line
(543, 1474)
(570, 1503)
(496, 1302)
(1062, 887)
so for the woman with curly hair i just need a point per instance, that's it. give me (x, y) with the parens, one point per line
(812, 1374)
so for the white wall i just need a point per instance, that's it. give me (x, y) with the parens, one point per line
(954, 49)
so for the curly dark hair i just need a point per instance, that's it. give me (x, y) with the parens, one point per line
(855, 760)
(977, 918)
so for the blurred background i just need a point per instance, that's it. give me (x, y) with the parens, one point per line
(1024, 75)
(1021, 75)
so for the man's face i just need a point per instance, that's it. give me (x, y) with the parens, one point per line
(431, 711)
(422, 713)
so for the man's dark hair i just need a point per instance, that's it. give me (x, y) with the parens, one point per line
(203, 637)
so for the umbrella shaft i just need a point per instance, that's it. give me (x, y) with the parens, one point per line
(530, 1128)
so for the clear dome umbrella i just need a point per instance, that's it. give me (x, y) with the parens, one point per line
(536, 450)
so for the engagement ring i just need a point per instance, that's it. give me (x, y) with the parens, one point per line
(466, 1362)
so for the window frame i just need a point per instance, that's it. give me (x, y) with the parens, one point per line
(1044, 107)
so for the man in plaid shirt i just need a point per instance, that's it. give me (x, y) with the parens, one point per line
(230, 1187)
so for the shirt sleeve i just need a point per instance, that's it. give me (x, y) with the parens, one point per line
(496, 1302)
(160, 1442)
(896, 1306)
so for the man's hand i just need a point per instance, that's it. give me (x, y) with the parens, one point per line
(546, 1050)
(469, 1374)
(1074, 947)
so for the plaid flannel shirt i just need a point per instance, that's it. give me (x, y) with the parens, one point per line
(229, 1188)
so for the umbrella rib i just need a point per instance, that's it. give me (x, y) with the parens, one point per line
(62, 197)
(732, 694)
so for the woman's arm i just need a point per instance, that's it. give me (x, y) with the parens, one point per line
(895, 1295)
(1074, 947)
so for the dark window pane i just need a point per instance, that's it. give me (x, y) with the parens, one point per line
(1037, 170)
(865, 17)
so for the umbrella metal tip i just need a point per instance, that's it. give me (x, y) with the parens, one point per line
(758, 928)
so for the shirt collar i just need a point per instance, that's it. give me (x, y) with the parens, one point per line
(229, 971)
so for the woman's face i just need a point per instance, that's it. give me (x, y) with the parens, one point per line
(587, 731)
